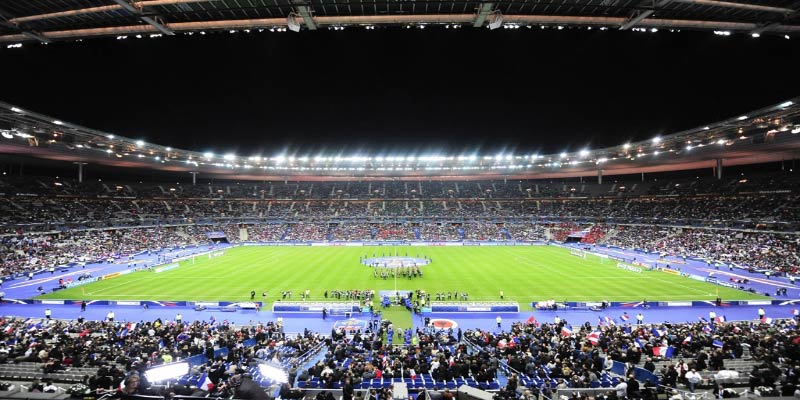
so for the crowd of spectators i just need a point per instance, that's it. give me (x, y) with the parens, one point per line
(536, 358)
(755, 250)
(773, 212)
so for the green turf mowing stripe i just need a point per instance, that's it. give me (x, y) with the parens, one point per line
(524, 273)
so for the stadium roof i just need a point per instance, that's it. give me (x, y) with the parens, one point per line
(50, 20)
(764, 135)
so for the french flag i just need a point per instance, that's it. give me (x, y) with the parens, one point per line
(707, 329)
(664, 351)
(766, 320)
(702, 319)
(721, 319)
(625, 317)
(687, 339)
(204, 383)
(718, 343)
(659, 332)
(594, 337)
(638, 343)
(610, 321)
(566, 332)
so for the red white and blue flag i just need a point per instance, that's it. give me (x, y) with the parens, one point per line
(664, 351)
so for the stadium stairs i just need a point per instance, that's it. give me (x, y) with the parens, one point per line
(28, 371)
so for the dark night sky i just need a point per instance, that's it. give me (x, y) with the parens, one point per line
(402, 90)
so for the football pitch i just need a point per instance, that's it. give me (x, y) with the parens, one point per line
(524, 273)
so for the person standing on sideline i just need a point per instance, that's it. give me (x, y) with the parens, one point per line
(83, 305)
(501, 295)
(761, 313)
(48, 313)
(499, 321)
(639, 319)
(110, 316)
(324, 313)
(252, 295)
(712, 316)
(178, 318)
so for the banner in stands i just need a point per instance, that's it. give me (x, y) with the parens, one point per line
(215, 235)
(475, 307)
(82, 282)
(166, 267)
(721, 283)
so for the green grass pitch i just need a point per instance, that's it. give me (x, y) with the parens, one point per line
(525, 274)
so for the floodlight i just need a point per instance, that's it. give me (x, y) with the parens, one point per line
(169, 149)
(166, 372)
(626, 146)
(656, 140)
(57, 122)
(229, 157)
(796, 129)
(140, 143)
(782, 105)
(16, 110)
(584, 153)
(208, 155)
(688, 147)
(7, 134)
(563, 154)
(755, 35)
(742, 118)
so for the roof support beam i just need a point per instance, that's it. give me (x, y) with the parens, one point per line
(741, 6)
(305, 13)
(398, 20)
(36, 36)
(635, 19)
(6, 22)
(100, 9)
(483, 12)
(153, 21)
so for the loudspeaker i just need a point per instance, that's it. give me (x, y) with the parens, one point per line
(470, 393)
(291, 22)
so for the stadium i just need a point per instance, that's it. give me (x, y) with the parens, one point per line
(193, 205)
